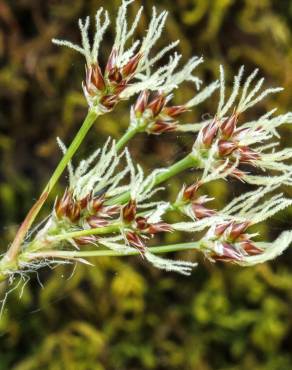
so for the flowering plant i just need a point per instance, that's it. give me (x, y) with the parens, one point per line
(111, 207)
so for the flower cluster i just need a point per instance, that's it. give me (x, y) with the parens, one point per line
(89, 213)
(226, 141)
(223, 140)
(140, 228)
(129, 70)
(106, 88)
(111, 204)
(226, 238)
(154, 115)
(230, 242)
(191, 204)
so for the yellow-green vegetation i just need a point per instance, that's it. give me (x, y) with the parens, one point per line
(122, 314)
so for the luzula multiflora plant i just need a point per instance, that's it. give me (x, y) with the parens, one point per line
(108, 206)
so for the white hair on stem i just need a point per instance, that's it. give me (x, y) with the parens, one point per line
(285, 179)
(90, 53)
(117, 244)
(154, 216)
(247, 99)
(141, 187)
(221, 172)
(250, 206)
(203, 95)
(271, 250)
(155, 29)
(185, 74)
(164, 78)
(90, 177)
(223, 106)
(69, 165)
(198, 225)
(222, 89)
(268, 123)
(182, 267)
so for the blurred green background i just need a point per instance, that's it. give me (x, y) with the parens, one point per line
(123, 314)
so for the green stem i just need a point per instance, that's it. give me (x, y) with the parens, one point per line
(88, 122)
(106, 252)
(26, 224)
(187, 162)
(129, 134)
(97, 231)
(2, 277)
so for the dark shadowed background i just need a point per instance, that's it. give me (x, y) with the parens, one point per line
(122, 314)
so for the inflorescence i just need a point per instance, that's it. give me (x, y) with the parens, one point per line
(111, 204)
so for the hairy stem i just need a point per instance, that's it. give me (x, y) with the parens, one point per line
(189, 161)
(26, 224)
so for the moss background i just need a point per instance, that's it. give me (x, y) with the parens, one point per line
(122, 314)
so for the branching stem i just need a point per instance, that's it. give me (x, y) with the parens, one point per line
(110, 253)
(129, 134)
(96, 231)
(26, 224)
(187, 162)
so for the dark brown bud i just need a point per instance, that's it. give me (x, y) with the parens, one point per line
(109, 101)
(112, 61)
(62, 204)
(175, 111)
(201, 211)
(190, 192)
(97, 78)
(109, 211)
(141, 223)
(84, 240)
(142, 102)
(136, 241)
(94, 78)
(250, 248)
(248, 155)
(219, 230)
(226, 147)
(159, 227)
(119, 88)
(157, 104)
(97, 203)
(95, 222)
(73, 211)
(85, 201)
(229, 253)
(238, 228)
(228, 126)
(130, 68)
(129, 211)
(161, 126)
(59, 208)
(209, 132)
(115, 75)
